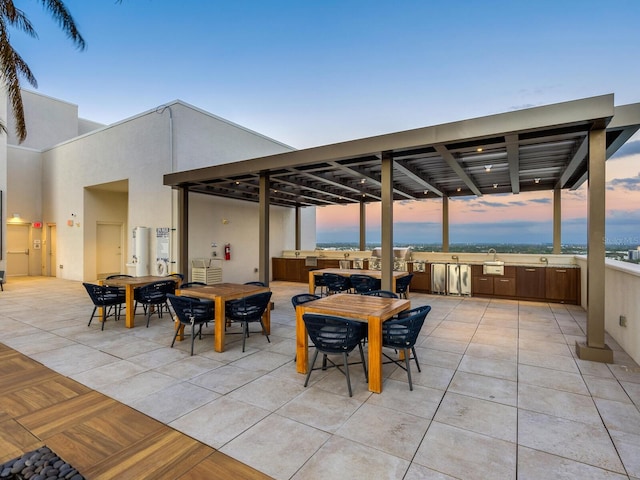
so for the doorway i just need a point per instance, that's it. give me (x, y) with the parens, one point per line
(51, 247)
(108, 249)
(18, 249)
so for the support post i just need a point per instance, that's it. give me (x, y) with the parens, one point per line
(263, 250)
(445, 223)
(387, 221)
(183, 231)
(595, 349)
(363, 226)
(298, 226)
(557, 221)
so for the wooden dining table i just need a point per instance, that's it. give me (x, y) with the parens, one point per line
(363, 308)
(220, 293)
(130, 284)
(347, 272)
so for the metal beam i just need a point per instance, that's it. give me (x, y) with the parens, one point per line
(455, 166)
(513, 157)
(404, 168)
(576, 161)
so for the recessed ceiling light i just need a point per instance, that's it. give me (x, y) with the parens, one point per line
(479, 149)
(495, 185)
(487, 168)
(458, 189)
(537, 180)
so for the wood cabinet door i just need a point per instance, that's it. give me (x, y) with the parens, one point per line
(530, 282)
(504, 286)
(279, 268)
(421, 282)
(562, 284)
(482, 285)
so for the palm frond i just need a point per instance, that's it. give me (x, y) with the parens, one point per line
(16, 18)
(60, 13)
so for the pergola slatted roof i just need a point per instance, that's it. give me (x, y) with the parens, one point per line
(541, 148)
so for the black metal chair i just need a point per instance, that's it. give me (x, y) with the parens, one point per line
(402, 285)
(191, 311)
(332, 336)
(155, 295)
(193, 284)
(401, 334)
(247, 310)
(2, 280)
(118, 275)
(363, 283)
(382, 293)
(110, 299)
(303, 298)
(299, 300)
(318, 282)
(256, 283)
(336, 283)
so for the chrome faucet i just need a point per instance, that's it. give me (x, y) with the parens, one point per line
(455, 257)
(492, 250)
(544, 260)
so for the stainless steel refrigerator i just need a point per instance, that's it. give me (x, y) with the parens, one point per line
(458, 279)
(439, 278)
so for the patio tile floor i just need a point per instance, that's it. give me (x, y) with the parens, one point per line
(500, 394)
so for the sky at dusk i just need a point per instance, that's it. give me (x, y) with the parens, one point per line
(310, 73)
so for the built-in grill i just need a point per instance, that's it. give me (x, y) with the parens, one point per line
(401, 255)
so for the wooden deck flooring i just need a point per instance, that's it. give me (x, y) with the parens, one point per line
(100, 437)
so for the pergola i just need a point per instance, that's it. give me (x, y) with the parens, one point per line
(552, 147)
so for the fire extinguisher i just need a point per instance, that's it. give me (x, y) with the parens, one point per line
(227, 251)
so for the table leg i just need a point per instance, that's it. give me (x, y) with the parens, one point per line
(220, 320)
(375, 354)
(266, 320)
(301, 342)
(312, 283)
(129, 319)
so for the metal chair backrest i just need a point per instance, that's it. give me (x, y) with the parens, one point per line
(382, 293)
(303, 298)
(331, 334)
(256, 283)
(363, 283)
(102, 295)
(336, 283)
(248, 309)
(156, 292)
(402, 284)
(193, 284)
(403, 331)
(188, 308)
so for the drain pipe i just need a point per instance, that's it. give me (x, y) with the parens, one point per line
(160, 110)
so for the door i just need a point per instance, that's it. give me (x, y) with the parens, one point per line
(108, 249)
(18, 250)
(52, 246)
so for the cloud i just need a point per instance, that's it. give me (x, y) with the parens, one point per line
(630, 184)
(486, 203)
(544, 201)
(627, 150)
(517, 204)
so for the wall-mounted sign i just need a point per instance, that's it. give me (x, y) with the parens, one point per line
(36, 224)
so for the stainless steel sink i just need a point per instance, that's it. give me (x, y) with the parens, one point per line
(495, 267)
